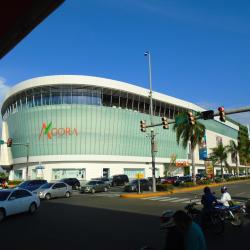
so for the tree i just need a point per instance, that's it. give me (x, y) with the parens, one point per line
(234, 149)
(219, 155)
(187, 132)
(244, 152)
(171, 167)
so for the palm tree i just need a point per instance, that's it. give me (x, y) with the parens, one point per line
(219, 155)
(186, 132)
(234, 149)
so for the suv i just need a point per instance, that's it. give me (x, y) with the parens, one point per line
(119, 180)
(73, 182)
(32, 185)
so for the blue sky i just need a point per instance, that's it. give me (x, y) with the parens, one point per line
(200, 49)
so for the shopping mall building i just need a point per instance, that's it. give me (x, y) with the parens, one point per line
(87, 127)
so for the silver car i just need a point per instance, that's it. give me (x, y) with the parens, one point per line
(53, 190)
(94, 186)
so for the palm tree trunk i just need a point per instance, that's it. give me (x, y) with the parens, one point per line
(193, 167)
(221, 167)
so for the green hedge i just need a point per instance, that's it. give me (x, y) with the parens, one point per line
(204, 182)
(164, 187)
(14, 182)
(187, 184)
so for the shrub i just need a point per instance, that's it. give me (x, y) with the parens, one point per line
(14, 182)
(187, 184)
(218, 180)
(204, 182)
(164, 187)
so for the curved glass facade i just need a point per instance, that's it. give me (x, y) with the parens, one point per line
(83, 120)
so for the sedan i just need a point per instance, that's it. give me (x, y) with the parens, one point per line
(94, 186)
(15, 201)
(54, 190)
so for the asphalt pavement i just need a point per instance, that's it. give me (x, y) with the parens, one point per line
(106, 221)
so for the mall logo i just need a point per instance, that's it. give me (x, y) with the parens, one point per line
(50, 131)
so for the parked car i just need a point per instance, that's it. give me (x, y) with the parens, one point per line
(54, 190)
(94, 186)
(170, 180)
(32, 185)
(73, 182)
(133, 186)
(183, 179)
(201, 177)
(120, 180)
(15, 201)
(106, 180)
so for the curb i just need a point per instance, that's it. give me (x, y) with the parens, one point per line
(181, 190)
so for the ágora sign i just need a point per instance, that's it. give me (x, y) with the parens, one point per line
(50, 131)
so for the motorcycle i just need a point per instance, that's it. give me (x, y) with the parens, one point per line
(212, 220)
(234, 213)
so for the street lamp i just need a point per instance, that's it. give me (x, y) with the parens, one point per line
(153, 140)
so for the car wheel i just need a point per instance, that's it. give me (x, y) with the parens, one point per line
(32, 208)
(105, 189)
(67, 195)
(93, 191)
(2, 215)
(47, 196)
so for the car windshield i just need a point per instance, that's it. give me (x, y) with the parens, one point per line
(47, 185)
(24, 184)
(92, 183)
(4, 195)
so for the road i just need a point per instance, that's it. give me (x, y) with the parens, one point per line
(106, 221)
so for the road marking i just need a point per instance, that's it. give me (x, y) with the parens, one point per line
(169, 199)
(149, 198)
(198, 201)
(181, 200)
(157, 198)
(241, 193)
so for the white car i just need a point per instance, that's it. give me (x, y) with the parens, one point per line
(15, 201)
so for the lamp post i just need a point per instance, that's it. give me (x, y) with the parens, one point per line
(153, 140)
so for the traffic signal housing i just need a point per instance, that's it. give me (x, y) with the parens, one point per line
(207, 115)
(143, 126)
(191, 118)
(222, 114)
(9, 142)
(164, 122)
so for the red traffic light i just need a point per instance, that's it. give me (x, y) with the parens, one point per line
(221, 109)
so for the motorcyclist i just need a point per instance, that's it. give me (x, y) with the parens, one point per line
(208, 199)
(225, 199)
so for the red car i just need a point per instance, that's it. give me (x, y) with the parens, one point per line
(170, 180)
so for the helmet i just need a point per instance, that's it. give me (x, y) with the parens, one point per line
(223, 189)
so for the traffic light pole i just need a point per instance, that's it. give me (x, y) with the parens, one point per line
(153, 139)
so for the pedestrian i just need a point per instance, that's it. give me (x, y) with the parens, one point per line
(193, 236)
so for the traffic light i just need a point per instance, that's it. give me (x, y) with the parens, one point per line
(207, 115)
(143, 125)
(9, 142)
(222, 114)
(191, 118)
(164, 122)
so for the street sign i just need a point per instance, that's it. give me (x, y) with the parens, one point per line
(139, 176)
(1, 142)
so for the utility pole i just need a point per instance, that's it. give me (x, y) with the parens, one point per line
(153, 139)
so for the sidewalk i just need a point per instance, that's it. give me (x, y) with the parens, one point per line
(180, 190)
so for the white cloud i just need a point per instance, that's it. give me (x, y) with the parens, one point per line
(4, 88)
